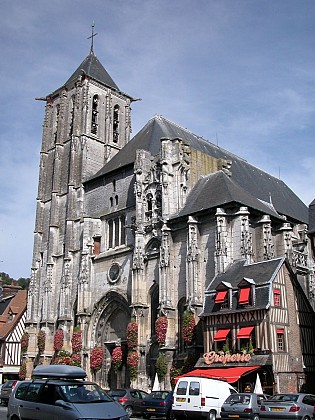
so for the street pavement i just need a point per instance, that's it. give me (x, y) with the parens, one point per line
(3, 412)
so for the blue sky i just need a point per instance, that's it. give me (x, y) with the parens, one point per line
(239, 73)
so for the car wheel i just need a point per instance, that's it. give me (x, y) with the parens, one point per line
(170, 415)
(212, 415)
(256, 417)
(129, 410)
(145, 416)
(306, 418)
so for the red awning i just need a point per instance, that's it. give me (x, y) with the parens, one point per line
(244, 332)
(220, 297)
(244, 296)
(276, 291)
(280, 331)
(231, 374)
(221, 335)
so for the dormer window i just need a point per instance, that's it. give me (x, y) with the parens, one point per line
(244, 296)
(221, 296)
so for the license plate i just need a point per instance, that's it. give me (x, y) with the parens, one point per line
(150, 409)
(277, 409)
(234, 416)
(180, 399)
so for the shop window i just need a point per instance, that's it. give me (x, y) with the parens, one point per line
(280, 339)
(276, 297)
(94, 121)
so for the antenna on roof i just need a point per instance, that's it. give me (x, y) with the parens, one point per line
(92, 37)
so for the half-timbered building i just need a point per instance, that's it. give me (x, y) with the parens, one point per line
(12, 327)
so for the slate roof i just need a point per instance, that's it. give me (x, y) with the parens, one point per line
(92, 67)
(262, 273)
(254, 181)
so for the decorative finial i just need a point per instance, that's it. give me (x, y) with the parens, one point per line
(92, 38)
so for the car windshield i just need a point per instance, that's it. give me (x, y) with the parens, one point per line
(285, 397)
(238, 399)
(83, 393)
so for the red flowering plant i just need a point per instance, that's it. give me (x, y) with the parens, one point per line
(58, 339)
(161, 325)
(161, 365)
(22, 371)
(63, 358)
(24, 342)
(132, 335)
(174, 372)
(96, 358)
(76, 359)
(41, 340)
(76, 340)
(117, 356)
(133, 363)
(189, 325)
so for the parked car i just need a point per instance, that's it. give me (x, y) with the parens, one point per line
(131, 399)
(195, 396)
(59, 392)
(158, 404)
(289, 406)
(6, 390)
(242, 406)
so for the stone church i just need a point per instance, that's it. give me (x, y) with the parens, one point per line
(131, 230)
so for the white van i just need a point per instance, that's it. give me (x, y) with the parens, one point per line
(200, 397)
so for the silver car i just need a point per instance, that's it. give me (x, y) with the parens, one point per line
(289, 406)
(59, 392)
(242, 406)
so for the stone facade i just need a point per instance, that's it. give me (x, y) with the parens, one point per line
(120, 236)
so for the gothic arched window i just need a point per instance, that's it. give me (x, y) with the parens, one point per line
(94, 121)
(116, 124)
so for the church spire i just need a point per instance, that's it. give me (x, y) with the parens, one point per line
(92, 38)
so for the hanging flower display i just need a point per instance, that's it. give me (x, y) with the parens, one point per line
(174, 372)
(24, 342)
(188, 327)
(117, 356)
(96, 358)
(22, 371)
(63, 358)
(161, 325)
(41, 340)
(132, 335)
(58, 339)
(133, 363)
(76, 359)
(161, 365)
(76, 340)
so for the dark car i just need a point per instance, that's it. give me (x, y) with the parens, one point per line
(289, 406)
(6, 390)
(60, 392)
(158, 404)
(242, 406)
(131, 399)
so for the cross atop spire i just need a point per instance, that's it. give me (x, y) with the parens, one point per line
(92, 38)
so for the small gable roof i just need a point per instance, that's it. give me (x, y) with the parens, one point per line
(17, 307)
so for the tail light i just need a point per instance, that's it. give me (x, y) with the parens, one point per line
(203, 402)
(248, 410)
(122, 400)
(262, 408)
(294, 409)
(14, 383)
(163, 403)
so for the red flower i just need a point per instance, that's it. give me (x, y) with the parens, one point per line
(76, 359)
(96, 358)
(58, 339)
(76, 341)
(22, 371)
(133, 363)
(41, 340)
(161, 325)
(63, 358)
(24, 342)
(188, 327)
(132, 335)
(117, 356)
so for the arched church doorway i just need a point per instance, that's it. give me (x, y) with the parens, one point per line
(111, 332)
